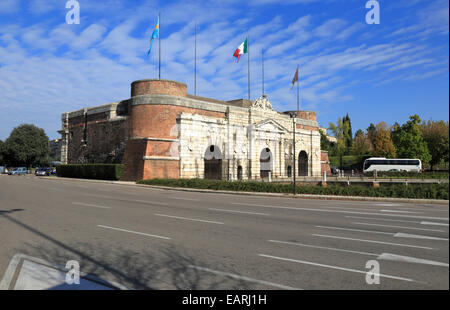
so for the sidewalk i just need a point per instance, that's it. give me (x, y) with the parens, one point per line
(298, 196)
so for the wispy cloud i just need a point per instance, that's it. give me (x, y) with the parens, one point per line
(49, 67)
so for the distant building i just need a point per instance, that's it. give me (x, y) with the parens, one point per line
(55, 149)
(330, 138)
(163, 132)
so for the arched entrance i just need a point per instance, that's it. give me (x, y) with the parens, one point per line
(213, 163)
(265, 163)
(303, 164)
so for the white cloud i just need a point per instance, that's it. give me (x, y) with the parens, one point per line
(8, 6)
(49, 69)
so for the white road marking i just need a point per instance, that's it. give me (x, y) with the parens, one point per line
(325, 248)
(379, 219)
(98, 196)
(189, 219)
(397, 211)
(383, 256)
(178, 198)
(359, 230)
(149, 202)
(134, 232)
(401, 210)
(374, 241)
(426, 210)
(238, 277)
(339, 211)
(407, 259)
(388, 204)
(350, 208)
(234, 211)
(403, 235)
(433, 223)
(403, 227)
(90, 205)
(335, 267)
(128, 200)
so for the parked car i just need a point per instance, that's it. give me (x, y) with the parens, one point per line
(18, 171)
(335, 170)
(42, 171)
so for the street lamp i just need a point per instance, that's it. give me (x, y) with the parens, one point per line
(293, 115)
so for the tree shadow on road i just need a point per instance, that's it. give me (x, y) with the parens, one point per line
(161, 267)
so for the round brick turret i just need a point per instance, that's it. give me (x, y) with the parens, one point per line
(309, 115)
(158, 87)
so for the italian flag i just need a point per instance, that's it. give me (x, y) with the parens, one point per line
(242, 49)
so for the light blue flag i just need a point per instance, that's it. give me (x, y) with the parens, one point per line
(155, 35)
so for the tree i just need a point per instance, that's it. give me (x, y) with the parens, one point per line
(382, 144)
(325, 144)
(1, 151)
(27, 145)
(338, 131)
(348, 135)
(361, 144)
(436, 135)
(371, 133)
(409, 142)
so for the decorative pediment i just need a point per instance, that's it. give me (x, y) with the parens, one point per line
(270, 125)
(262, 103)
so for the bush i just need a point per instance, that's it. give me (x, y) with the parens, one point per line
(424, 191)
(410, 175)
(90, 171)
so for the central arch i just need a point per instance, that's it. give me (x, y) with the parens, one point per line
(303, 164)
(265, 163)
(213, 163)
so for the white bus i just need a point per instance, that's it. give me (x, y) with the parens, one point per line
(385, 164)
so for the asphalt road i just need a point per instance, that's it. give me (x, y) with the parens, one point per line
(148, 238)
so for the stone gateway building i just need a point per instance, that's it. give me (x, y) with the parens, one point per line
(163, 132)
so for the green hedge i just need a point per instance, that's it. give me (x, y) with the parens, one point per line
(410, 175)
(90, 171)
(424, 191)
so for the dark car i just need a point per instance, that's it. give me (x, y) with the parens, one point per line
(42, 171)
(335, 170)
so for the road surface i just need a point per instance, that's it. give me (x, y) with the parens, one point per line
(145, 238)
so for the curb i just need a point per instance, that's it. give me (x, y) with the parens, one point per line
(298, 196)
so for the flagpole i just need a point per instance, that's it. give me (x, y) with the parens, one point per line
(248, 51)
(298, 92)
(262, 56)
(195, 62)
(159, 38)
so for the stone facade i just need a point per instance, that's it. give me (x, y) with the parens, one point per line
(162, 132)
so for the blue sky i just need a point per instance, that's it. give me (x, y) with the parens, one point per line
(384, 72)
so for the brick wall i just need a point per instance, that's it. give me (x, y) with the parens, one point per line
(310, 115)
(324, 163)
(306, 127)
(133, 161)
(156, 121)
(158, 87)
(161, 169)
(96, 141)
